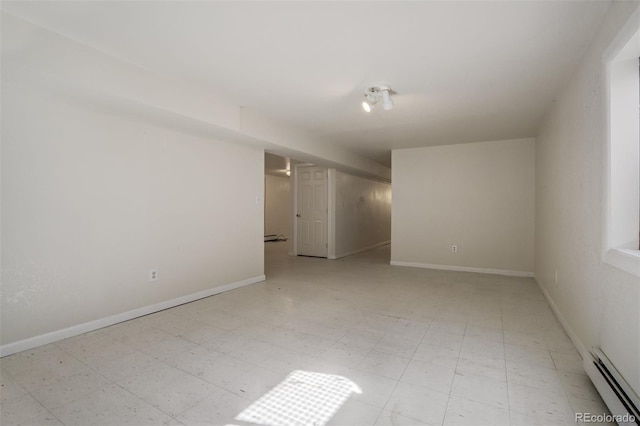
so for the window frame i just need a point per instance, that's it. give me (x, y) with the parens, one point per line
(621, 245)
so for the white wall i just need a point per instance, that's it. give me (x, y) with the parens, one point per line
(109, 170)
(477, 196)
(91, 202)
(362, 213)
(277, 205)
(599, 304)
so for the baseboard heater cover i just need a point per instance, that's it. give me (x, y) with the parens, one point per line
(620, 397)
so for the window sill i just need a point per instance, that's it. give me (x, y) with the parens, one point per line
(625, 259)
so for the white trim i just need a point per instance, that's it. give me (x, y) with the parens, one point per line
(619, 231)
(54, 336)
(384, 243)
(294, 207)
(626, 260)
(294, 194)
(565, 324)
(464, 269)
(603, 388)
(331, 213)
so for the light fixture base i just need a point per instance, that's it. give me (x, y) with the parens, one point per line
(374, 94)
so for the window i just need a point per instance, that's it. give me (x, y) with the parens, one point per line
(622, 188)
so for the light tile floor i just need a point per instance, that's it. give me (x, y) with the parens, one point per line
(423, 347)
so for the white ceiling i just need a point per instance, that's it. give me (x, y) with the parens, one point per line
(463, 71)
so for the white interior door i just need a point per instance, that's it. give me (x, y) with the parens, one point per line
(312, 214)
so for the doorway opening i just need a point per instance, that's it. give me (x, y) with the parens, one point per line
(278, 202)
(296, 210)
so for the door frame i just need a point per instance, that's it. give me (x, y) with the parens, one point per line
(331, 176)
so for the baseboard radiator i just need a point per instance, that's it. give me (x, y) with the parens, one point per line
(620, 398)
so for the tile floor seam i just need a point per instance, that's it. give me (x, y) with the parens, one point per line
(135, 395)
(94, 370)
(506, 373)
(188, 408)
(85, 396)
(403, 372)
(450, 395)
(27, 392)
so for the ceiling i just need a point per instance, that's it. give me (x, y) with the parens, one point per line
(463, 71)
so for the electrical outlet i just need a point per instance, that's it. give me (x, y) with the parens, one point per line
(454, 248)
(153, 275)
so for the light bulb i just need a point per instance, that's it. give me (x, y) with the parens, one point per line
(366, 106)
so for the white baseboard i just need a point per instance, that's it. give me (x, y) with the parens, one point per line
(603, 388)
(463, 269)
(338, 256)
(584, 353)
(54, 336)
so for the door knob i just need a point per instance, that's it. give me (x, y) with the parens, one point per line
(298, 215)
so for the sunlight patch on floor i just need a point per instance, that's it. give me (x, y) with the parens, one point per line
(302, 398)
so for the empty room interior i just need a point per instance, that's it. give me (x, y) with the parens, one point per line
(320, 213)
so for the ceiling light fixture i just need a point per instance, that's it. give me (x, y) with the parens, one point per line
(372, 96)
